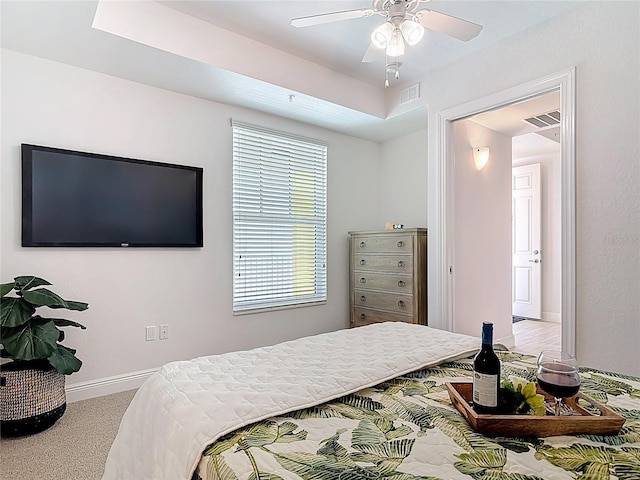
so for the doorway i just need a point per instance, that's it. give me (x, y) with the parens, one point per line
(533, 126)
(564, 83)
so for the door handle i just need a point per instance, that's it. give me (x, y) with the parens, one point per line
(535, 261)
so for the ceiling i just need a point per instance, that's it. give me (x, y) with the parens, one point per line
(526, 140)
(341, 45)
(246, 53)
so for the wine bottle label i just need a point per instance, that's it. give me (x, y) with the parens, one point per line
(485, 390)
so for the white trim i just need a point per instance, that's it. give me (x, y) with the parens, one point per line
(564, 82)
(568, 208)
(107, 385)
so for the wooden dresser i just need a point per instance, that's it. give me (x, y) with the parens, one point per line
(388, 276)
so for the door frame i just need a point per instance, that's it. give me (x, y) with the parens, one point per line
(441, 304)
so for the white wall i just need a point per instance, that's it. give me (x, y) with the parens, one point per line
(402, 180)
(482, 233)
(601, 40)
(551, 228)
(53, 104)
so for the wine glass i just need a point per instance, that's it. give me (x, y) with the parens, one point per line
(558, 375)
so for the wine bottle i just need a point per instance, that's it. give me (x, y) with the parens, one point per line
(486, 374)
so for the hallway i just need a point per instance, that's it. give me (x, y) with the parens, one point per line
(533, 336)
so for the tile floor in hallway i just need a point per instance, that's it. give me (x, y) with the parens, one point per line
(533, 336)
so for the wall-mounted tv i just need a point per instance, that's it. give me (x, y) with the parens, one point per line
(79, 199)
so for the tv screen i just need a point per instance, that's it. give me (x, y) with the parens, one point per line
(78, 199)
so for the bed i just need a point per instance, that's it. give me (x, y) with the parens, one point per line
(363, 403)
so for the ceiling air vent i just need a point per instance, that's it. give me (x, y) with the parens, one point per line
(549, 119)
(410, 94)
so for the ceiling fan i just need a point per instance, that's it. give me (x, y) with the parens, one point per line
(405, 23)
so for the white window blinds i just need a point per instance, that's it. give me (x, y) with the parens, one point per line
(279, 219)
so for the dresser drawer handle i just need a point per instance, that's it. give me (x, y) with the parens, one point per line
(363, 244)
(400, 244)
(363, 262)
(400, 283)
(401, 264)
(363, 280)
(363, 298)
(362, 316)
(400, 303)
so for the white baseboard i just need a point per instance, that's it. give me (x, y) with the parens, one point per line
(552, 317)
(106, 386)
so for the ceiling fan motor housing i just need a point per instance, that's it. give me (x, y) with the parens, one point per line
(396, 14)
(396, 7)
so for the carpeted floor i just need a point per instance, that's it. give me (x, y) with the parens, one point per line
(75, 448)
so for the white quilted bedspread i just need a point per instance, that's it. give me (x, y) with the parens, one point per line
(187, 405)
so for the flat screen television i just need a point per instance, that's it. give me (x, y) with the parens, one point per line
(79, 199)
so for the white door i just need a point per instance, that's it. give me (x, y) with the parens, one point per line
(526, 264)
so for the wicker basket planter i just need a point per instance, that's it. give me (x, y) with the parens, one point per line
(31, 399)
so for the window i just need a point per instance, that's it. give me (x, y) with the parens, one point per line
(279, 219)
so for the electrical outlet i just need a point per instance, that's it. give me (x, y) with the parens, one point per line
(150, 333)
(164, 331)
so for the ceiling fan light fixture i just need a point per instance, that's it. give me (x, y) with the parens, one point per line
(412, 31)
(381, 35)
(396, 44)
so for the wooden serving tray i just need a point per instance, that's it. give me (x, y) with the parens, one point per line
(581, 422)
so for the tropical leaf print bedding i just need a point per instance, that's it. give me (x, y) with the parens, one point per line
(406, 428)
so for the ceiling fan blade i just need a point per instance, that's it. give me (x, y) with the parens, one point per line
(447, 24)
(372, 54)
(331, 17)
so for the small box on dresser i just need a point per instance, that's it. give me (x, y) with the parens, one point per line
(388, 276)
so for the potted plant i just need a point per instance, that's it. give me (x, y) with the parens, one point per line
(32, 395)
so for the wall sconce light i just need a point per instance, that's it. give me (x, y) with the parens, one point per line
(480, 157)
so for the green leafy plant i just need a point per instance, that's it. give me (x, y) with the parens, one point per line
(27, 337)
(519, 396)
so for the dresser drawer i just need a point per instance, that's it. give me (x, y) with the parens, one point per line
(384, 244)
(380, 281)
(364, 316)
(392, 302)
(383, 263)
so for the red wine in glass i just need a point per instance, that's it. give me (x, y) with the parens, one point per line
(558, 376)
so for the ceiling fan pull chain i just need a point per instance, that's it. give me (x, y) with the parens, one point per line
(386, 71)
